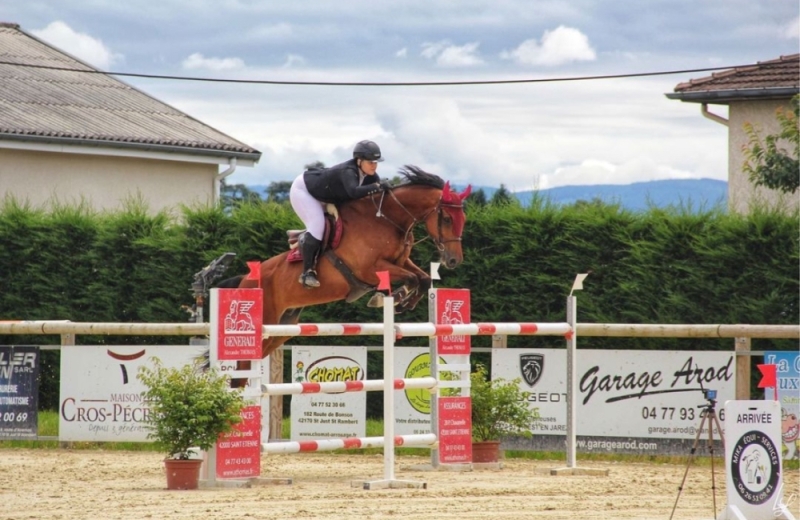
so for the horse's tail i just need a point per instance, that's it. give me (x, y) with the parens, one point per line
(231, 283)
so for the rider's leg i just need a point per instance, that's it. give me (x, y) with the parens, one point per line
(311, 247)
(311, 213)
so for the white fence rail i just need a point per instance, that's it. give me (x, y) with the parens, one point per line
(413, 329)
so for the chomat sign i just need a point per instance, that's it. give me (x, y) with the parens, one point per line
(240, 316)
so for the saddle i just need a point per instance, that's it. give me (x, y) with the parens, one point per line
(330, 239)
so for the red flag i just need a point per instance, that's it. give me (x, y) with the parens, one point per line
(769, 376)
(255, 270)
(384, 284)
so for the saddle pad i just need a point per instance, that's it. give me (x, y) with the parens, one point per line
(333, 239)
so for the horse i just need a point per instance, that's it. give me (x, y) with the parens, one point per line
(377, 235)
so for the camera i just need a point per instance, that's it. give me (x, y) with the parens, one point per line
(710, 394)
(204, 278)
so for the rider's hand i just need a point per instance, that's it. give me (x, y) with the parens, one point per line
(386, 184)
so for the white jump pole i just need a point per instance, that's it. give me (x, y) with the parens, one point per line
(389, 480)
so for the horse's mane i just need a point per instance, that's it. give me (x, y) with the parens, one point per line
(418, 177)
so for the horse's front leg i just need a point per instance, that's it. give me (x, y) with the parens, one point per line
(408, 279)
(422, 284)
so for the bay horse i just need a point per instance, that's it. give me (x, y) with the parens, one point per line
(378, 235)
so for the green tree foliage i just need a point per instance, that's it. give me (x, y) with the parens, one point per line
(502, 197)
(234, 194)
(278, 191)
(477, 198)
(666, 266)
(769, 163)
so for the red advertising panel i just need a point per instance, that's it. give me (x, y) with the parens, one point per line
(452, 307)
(240, 314)
(239, 452)
(455, 430)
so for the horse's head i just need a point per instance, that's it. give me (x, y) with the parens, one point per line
(446, 225)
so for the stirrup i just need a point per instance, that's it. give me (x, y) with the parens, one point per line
(309, 279)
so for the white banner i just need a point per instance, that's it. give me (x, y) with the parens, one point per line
(621, 393)
(100, 396)
(413, 406)
(326, 416)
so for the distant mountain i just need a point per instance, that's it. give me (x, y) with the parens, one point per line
(694, 193)
(689, 193)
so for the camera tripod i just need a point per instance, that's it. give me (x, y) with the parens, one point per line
(708, 416)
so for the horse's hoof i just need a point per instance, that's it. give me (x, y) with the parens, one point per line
(376, 300)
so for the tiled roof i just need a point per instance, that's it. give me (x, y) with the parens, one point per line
(779, 78)
(43, 104)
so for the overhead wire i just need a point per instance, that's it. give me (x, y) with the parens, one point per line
(378, 84)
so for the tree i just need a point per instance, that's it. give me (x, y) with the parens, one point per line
(501, 197)
(278, 191)
(477, 197)
(769, 163)
(233, 194)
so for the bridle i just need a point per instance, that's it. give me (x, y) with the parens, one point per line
(439, 208)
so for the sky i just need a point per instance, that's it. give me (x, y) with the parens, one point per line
(523, 136)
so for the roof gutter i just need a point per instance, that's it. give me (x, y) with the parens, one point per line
(726, 96)
(126, 149)
(218, 181)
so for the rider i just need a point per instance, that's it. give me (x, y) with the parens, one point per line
(349, 180)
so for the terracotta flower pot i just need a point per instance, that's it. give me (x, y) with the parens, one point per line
(485, 451)
(182, 474)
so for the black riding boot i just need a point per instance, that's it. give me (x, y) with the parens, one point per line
(311, 247)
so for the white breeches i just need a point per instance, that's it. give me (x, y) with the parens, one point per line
(307, 208)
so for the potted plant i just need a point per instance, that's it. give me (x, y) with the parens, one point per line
(190, 407)
(499, 409)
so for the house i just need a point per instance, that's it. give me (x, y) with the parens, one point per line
(71, 133)
(753, 94)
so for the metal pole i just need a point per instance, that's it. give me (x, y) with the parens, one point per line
(572, 388)
(388, 388)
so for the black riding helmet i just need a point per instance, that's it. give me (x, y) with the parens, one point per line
(367, 150)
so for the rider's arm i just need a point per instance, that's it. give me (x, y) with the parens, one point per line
(355, 191)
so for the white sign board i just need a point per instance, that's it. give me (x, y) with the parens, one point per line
(413, 406)
(100, 395)
(649, 394)
(325, 416)
(753, 461)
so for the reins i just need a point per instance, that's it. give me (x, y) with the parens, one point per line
(437, 241)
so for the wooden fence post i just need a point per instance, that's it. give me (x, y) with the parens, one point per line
(743, 355)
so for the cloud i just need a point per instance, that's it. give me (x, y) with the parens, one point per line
(198, 61)
(561, 45)
(292, 60)
(276, 32)
(792, 29)
(599, 171)
(448, 55)
(80, 45)
(402, 53)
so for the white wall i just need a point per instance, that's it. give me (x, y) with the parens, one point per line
(104, 182)
(741, 192)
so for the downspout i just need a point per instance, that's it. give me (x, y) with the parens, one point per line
(714, 117)
(218, 180)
